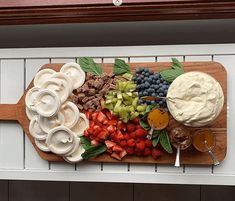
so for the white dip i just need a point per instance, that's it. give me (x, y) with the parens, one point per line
(195, 99)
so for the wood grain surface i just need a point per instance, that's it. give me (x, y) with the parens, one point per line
(189, 156)
(72, 11)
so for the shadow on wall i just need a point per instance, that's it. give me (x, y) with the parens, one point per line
(121, 33)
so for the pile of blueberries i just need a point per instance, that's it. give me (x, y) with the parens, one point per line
(150, 84)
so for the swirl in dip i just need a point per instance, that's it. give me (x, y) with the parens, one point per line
(195, 99)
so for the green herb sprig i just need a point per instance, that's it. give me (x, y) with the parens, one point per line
(121, 67)
(88, 65)
(176, 70)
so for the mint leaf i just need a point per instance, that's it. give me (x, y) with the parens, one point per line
(164, 141)
(88, 65)
(170, 74)
(120, 67)
(94, 151)
(144, 124)
(155, 141)
(86, 144)
(156, 133)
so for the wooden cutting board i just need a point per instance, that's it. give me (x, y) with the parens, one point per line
(16, 112)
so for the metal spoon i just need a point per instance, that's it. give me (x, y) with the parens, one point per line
(150, 134)
(212, 155)
(177, 159)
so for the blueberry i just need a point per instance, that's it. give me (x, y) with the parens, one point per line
(158, 91)
(165, 91)
(165, 82)
(156, 75)
(151, 72)
(155, 86)
(148, 102)
(140, 93)
(147, 85)
(161, 89)
(140, 101)
(161, 94)
(145, 93)
(154, 94)
(146, 70)
(158, 81)
(152, 102)
(160, 85)
(160, 102)
(142, 73)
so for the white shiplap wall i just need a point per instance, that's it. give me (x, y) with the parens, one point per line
(19, 160)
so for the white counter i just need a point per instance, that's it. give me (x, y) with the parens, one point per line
(19, 160)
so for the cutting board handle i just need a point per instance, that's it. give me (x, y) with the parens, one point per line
(8, 112)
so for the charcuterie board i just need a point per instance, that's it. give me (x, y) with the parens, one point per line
(16, 112)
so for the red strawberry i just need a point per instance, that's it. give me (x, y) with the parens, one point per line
(131, 143)
(147, 152)
(123, 153)
(117, 148)
(130, 127)
(140, 145)
(103, 135)
(116, 156)
(109, 144)
(109, 115)
(88, 114)
(90, 131)
(119, 135)
(121, 126)
(156, 153)
(112, 122)
(123, 143)
(148, 143)
(101, 117)
(86, 133)
(130, 150)
(94, 116)
(111, 129)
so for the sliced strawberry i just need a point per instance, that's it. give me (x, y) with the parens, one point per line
(86, 133)
(131, 143)
(111, 129)
(88, 114)
(112, 122)
(121, 126)
(90, 131)
(147, 151)
(109, 144)
(140, 145)
(123, 153)
(91, 123)
(130, 150)
(156, 153)
(106, 121)
(130, 127)
(116, 156)
(94, 116)
(101, 117)
(117, 148)
(103, 135)
(109, 115)
(119, 135)
(94, 142)
(148, 143)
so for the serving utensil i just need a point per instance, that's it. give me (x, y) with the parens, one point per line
(177, 158)
(212, 155)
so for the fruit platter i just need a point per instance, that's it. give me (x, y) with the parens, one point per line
(161, 112)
